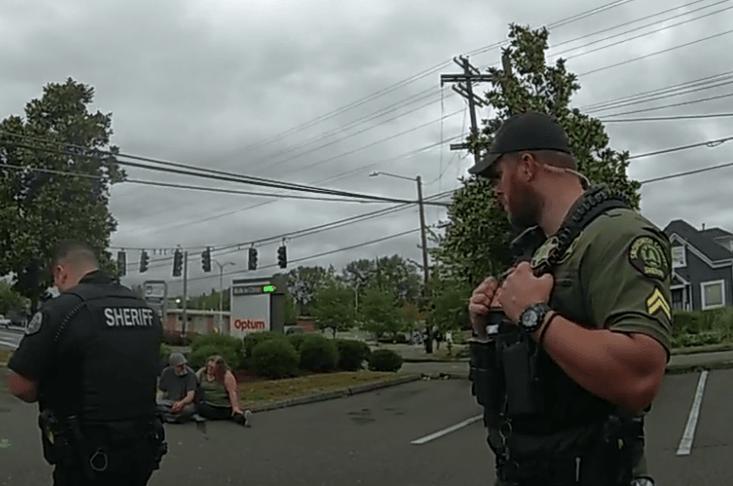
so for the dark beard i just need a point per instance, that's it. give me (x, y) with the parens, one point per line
(527, 212)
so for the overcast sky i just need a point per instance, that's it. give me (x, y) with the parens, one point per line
(201, 82)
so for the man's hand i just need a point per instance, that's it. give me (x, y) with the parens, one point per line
(478, 306)
(176, 407)
(522, 289)
(237, 411)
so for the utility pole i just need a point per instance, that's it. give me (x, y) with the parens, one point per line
(464, 88)
(185, 294)
(221, 292)
(423, 236)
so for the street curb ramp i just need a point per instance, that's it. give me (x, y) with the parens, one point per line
(346, 392)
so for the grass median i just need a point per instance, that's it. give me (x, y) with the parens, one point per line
(254, 393)
(4, 355)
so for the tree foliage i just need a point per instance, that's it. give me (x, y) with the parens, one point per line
(333, 307)
(10, 300)
(38, 208)
(380, 312)
(475, 243)
(304, 283)
(393, 272)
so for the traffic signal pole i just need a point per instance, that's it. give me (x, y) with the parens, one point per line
(185, 294)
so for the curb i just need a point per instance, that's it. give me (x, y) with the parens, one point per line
(710, 348)
(346, 392)
(434, 360)
(690, 368)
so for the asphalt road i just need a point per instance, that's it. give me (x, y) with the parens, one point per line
(9, 338)
(368, 440)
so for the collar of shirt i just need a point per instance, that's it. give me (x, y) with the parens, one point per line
(96, 277)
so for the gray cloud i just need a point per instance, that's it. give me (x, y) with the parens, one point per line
(198, 84)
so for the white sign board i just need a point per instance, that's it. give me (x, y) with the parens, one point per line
(250, 310)
(155, 290)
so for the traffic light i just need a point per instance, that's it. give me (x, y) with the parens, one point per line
(206, 259)
(252, 263)
(282, 256)
(177, 262)
(121, 263)
(144, 261)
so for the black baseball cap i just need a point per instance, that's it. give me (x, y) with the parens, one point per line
(525, 131)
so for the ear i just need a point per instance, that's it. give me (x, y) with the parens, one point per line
(527, 166)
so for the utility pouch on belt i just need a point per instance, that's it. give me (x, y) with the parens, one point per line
(56, 449)
(487, 377)
(518, 359)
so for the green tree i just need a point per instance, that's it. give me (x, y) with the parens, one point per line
(393, 273)
(10, 300)
(333, 307)
(37, 208)
(475, 242)
(304, 283)
(450, 303)
(380, 313)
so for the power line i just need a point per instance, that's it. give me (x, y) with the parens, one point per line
(666, 118)
(706, 143)
(172, 167)
(180, 186)
(318, 255)
(426, 72)
(661, 29)
(687, 173)
(651, 54)
(682, 103)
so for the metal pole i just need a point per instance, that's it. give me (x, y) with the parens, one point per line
(185, 293)
(471, 103)
(221, 291)
(423, 235)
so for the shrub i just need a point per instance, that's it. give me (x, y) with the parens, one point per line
(165, 352)
(352, 354)
(318, 353)
(220, 342)
(255, 338)
(275, 358)
(296, 340)
(385, 360)
(198, 356)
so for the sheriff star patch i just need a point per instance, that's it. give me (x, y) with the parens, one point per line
(656, 302)
(647, 255)
(35, 324)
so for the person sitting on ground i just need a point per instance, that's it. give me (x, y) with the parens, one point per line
(177, 389)
(220, 393)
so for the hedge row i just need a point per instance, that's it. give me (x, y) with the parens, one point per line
(274, 355)
(699, 328)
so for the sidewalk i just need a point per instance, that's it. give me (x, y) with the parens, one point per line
(678, 363)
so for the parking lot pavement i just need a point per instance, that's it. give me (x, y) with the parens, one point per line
(9, 338)
(420, 433)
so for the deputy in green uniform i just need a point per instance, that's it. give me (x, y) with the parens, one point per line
(589, 318)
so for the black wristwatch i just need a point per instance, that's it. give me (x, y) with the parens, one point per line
(533, 316)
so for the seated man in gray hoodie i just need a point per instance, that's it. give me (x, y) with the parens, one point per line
(177, 388)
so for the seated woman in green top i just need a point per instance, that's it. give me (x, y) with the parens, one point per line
(220, 394)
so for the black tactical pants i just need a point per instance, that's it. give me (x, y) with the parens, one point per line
(131, 466)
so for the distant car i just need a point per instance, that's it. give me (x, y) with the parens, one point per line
(294, 330)
(4, 321)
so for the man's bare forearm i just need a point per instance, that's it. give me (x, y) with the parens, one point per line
(624, 369)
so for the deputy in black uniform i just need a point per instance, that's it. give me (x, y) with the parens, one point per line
(90, 359)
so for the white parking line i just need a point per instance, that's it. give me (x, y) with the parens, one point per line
(689, 434)
(9, 343)
(447, 430)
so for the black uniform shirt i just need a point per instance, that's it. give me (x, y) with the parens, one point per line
(94, 351)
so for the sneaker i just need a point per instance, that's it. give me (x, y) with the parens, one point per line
(247, 420)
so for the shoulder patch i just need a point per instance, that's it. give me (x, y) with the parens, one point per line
(35, 324)
(647, 255)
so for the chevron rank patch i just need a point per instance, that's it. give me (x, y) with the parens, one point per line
(656, 302)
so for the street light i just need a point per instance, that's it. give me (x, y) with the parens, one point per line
(221, 288)
(423, 238)
(423, 235)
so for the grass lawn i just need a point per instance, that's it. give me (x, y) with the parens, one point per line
(4, 355)
(256, 392)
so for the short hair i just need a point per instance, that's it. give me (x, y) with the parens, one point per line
(553, 158)
(75, 251)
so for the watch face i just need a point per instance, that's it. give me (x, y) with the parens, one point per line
(529, 318)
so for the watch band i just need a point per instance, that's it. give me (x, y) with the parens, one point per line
(543, 331)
